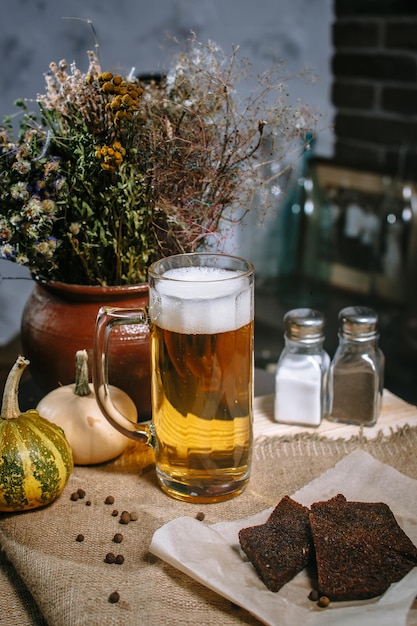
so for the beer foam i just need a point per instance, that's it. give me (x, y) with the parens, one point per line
(201, 300)
(200, 274)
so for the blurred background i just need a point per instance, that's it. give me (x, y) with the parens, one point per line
(343, 231)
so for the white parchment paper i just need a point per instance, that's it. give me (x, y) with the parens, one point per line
(211, 554)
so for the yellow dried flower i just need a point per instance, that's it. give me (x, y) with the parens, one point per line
(111, 157)
(106, 76)
(108, 87)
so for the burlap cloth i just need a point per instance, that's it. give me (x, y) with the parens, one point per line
(48, 577)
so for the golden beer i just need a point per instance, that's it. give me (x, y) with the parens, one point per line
(202, 386)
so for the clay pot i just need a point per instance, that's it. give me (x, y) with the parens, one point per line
(59, 319)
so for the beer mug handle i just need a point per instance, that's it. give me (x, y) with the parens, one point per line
(107, 318)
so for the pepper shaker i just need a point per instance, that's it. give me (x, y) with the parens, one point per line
(357, 369)
(302, 370)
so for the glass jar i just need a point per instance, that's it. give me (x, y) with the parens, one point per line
(357, 369)
(302, 370)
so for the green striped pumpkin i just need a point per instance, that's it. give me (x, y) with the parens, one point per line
(35, 457)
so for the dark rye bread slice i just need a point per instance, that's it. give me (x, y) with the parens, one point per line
(280, 548)
(360, 548)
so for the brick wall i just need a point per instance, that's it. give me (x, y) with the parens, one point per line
(374, 90)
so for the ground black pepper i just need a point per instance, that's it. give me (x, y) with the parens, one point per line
(354, 396)
(357, 369)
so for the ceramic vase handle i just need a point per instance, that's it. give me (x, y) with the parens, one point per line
(108, 318)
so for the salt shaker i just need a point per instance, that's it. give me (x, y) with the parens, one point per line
(356, 378)
(302, 370)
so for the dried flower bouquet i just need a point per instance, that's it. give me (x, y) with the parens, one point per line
(112, 172)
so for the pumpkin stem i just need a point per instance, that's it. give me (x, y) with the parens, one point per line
(82, 388)
(10, 405)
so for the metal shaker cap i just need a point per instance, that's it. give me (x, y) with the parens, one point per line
(358, 322)
(304, 325)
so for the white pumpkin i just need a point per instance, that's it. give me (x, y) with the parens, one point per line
(74, 408)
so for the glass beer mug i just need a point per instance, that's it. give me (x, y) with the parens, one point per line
(201, 315)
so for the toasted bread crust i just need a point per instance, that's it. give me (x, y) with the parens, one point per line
(360, 548)
(280, 548)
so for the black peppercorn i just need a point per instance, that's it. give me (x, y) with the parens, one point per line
(114, 597)
(110, 557)
(124, 518)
